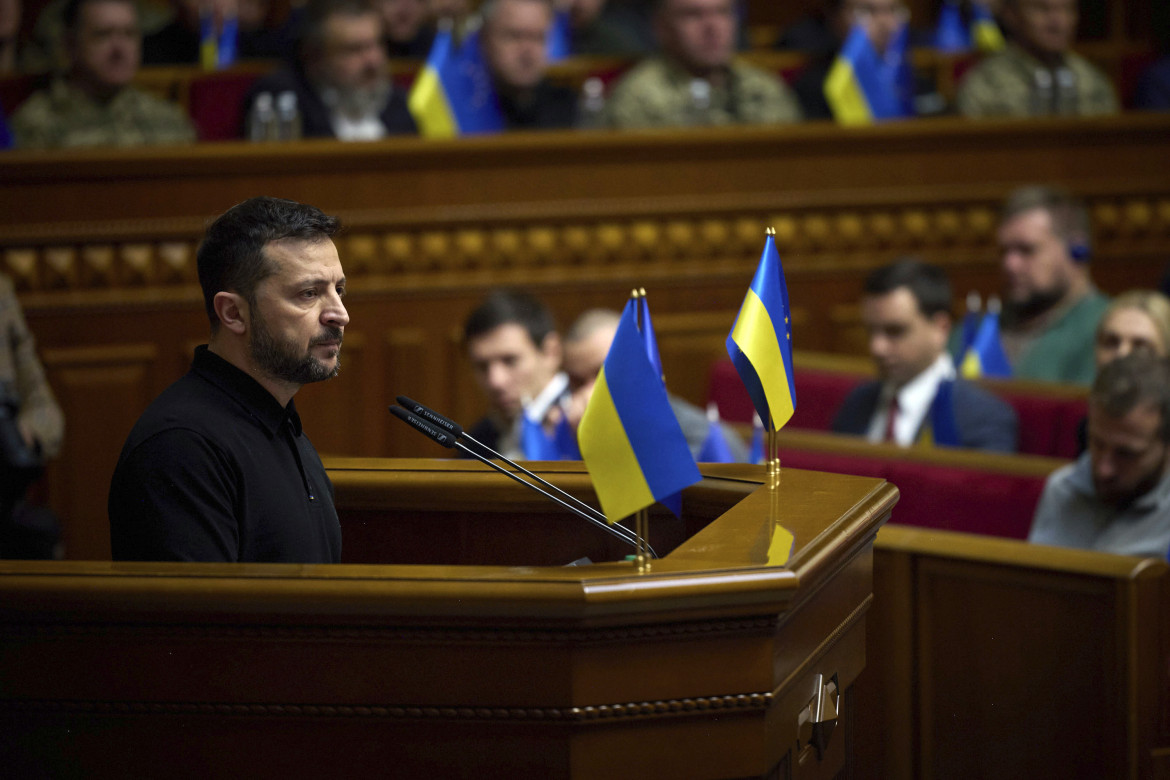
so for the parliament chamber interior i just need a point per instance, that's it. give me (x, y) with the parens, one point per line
(910, 632)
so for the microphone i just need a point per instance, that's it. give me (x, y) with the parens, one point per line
(457, 431)
(441, 433)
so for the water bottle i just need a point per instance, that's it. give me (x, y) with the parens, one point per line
(700, 105)
(1066, 91)
(288, 118)
(1042, 92)
(262, 119)
(591, 106)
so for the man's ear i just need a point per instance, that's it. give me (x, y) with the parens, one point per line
(232, 310)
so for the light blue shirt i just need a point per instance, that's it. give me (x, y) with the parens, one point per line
(1070, 515)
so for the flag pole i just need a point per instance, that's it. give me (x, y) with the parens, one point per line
(642, 531)
(773, 448)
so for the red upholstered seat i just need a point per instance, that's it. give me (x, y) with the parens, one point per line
(216, 103)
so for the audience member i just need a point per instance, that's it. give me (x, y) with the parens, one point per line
(31, 430)
(587, 343)
(9, 36)
(598, 27)
(906, 309)
(695, 80)
(339, 79)
(218, 467)
(1037, 73)
(408, 28)
(45, 49)
(1051, 307)
(514, 41)
(1135, 321)
(95, 104)
(1116, 497)
(515, 352)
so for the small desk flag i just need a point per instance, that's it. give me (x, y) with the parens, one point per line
(630, 440)
(760, 344)
(453, 95)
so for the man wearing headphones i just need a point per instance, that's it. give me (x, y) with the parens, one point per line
(1051, 305)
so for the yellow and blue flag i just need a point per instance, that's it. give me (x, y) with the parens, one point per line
(864, 87)
(984, 29)
(760, 344)
(630, 440)
(986, 355)
(217, 50)
(453, 95)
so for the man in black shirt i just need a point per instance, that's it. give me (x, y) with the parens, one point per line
(217, 468)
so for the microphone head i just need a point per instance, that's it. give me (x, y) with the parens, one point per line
(431, 416)
(436, 434)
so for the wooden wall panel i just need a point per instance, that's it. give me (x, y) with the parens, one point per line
(102, 391)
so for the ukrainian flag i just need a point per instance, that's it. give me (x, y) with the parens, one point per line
(943, 428)
(217, 51)
(951, 33)
(558, 45)
(984, 29)
(760, 344)
(863, 87)
(630, 440)
(986, 356)
(453, 95)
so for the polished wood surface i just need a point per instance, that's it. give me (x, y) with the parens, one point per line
(456, 667)
(101, 245)
(996, 658)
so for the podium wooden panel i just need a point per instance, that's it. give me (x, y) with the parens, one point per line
(455, 642)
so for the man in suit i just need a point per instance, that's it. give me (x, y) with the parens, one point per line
(339, 80)
(907, 311)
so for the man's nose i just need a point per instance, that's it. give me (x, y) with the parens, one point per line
(335, 313)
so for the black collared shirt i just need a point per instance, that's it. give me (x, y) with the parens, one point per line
(217, 470)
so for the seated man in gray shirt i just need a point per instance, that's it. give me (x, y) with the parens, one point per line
(1116, 497)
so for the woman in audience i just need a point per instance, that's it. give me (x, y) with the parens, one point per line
(1138, 320)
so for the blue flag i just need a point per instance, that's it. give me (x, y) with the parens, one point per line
(986, 356)
(756, 454)
(715, 448)
(5, 133)
(630, 440)
(760, 344)
(951, 34)
(453, 95)
(560, 37)
(538, 444)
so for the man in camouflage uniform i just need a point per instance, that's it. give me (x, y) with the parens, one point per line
(695, 80)
(94, 105)
(1037, 74)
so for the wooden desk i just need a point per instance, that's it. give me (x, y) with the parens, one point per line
(464, 666)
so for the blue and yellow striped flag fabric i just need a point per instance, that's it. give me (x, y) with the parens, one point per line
(630, 440)
(760, 344)
(217, 50)
(863, 87)
(986, 355)
(453, 94)
(985, 30)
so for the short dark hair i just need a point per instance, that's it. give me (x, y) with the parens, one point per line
(317, 12)
(510, 307)
(231, 257)
(1134, 380)
(926, 282)
(72, 11)
(1070, 217)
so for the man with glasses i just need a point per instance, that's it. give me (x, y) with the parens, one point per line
(1037, 74)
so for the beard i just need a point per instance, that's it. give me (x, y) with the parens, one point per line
(357, 102)
(285, 361)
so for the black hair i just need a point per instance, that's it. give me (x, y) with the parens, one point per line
(231, 257)
(507, 307)
(72, 11)
(1070, 217)
(317, 12)
(926, 282)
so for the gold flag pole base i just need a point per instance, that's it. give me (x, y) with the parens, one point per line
(773, 460)
(642, 530)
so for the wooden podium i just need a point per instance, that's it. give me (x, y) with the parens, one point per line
(454, 640)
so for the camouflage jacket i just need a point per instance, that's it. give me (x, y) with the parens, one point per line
(62, 117)
(658, 93)
(1005, 85)
(20, 368)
